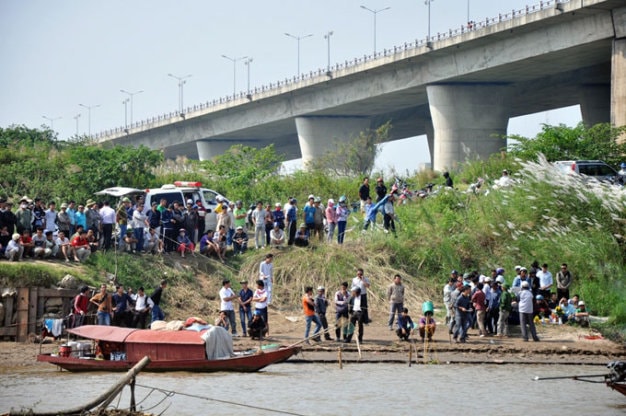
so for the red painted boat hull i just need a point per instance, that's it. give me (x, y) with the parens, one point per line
(243, 363)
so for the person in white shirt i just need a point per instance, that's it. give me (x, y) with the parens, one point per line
(260, 303)
(107, 215)
(258, 218)
(226, 304)
(266, 273)
(545, 281)
(277, 237)
(63, 243)
(139, 222)
(14, 250)
(355, 309)
(362, 283)
(51, 217)
(143, 304)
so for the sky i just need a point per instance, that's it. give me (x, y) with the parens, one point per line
(59, 54)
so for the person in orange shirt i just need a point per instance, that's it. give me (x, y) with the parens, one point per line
(308, 304)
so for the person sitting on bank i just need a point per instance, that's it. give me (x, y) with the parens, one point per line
(277, 237)
(222, 320)
(405, 325)
(581, 316)
(130, 242)
(240, 240)
(257, 327)
(302, 237)
(184, 243)
(427, 326)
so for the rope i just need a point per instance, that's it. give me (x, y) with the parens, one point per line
(170, 393)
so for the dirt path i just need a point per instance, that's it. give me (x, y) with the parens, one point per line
(560, 344)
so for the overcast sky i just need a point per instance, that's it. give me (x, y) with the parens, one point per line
(59, 54)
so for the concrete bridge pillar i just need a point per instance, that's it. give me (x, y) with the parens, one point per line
(618, 83)
(209, 149)
(317, 135)
(469, 121)
(430, 138)
(595, 104)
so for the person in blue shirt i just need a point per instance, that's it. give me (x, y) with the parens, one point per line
(309, 215)
(370, 214)
(405, 325)
(292, 219)
(245, 306)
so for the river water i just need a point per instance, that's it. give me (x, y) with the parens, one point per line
(324, 389)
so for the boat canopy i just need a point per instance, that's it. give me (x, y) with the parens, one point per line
(103, 333)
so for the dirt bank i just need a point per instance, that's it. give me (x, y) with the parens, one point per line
(559, 344)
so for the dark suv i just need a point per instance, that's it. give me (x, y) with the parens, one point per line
(593, 168)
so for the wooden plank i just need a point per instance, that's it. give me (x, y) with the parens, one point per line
(32, 310)
(8, 301)
(8, 331)
(23, 297)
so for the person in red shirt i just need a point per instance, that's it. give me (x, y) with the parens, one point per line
(308, 304)
(26, 241)
(80, 306)
(478, 300)
(80, 246)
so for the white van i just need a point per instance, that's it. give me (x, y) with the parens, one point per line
(180, 191)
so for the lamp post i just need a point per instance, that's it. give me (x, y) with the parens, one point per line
(125, 102)
(427, 2)
(89, 107)
(181, 82)
(234, 61)
(374, 12)
(247, 63)
(76, 117)
(130, 95)
(51, 120)
(327, 37)
(298, 38)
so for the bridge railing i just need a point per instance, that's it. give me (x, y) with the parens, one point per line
(277, 86)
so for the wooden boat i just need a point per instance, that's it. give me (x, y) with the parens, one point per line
(119, 349)
(615, 379)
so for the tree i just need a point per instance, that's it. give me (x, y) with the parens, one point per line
(356, 157)
(573, 143)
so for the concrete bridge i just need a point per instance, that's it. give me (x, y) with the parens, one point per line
(459, 88)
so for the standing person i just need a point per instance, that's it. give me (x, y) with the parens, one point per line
(157, 312)
(122, 218)
(245, 306)
(258, 219)
(506, 298)
(80, 219)
(168, 229)
(71, 212)
(240, 215)
(92, 218)
(493, 308)
(545, 281)
(342, 218)
(139, 222)
(356, 312)
(362, 283)
(389, 216)
(308, 215)
(269, 223)
(563, 282)
(381, 189)
(64, 222)
(372, 210)
(479, 302)
(121, 311)
(448, 181)
(105, 307)
(321, 304)
(292, 220)
(154, 218)
(308, 305)
(319, 216)
(191, 222)
(24, 217)
(266, 273)
(107, 214)
(341, 311)
(447, 297)
(143, 304)
(201, 217)
(525, 307)
(364, 193)
(260, 303)
(226, 305)
(463, 310)
(395, 296)
(80, 305)
(51, 217)
(331, 219)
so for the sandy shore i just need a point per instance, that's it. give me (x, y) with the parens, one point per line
(559, 344)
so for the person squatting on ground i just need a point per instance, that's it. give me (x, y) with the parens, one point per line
(405, 325)
(427, 326)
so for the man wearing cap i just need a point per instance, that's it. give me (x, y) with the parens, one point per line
(240, 240)
(302, 236)
(321, 303)
(308, 306)
(245, 306)
(226, 304)
(191, 221)
(525, 307)
(581, 316)
(64, 222)
(24, 216)
(184, 243)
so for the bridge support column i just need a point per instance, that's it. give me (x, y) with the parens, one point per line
(618, 84)
(317, 135)
(469, 121)
(595, 104)
(430, 138)
(209, 149)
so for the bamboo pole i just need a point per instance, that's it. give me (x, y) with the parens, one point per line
(339, 357)
(537, 378)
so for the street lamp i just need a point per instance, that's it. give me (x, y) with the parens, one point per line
(374, 12)
(125, 102)
(298, 38)
(130, 95)
(427, 2)
(247, 63)
(234, 61)
(327, 37)
(51, 120)
(76, 117)
(89, 107)
(181, 82)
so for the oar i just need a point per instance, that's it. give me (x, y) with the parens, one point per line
(537, 378)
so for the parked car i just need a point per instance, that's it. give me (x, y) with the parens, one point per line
(180, 191)
(593, 168)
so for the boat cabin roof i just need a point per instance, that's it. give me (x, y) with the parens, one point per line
(137, 336)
